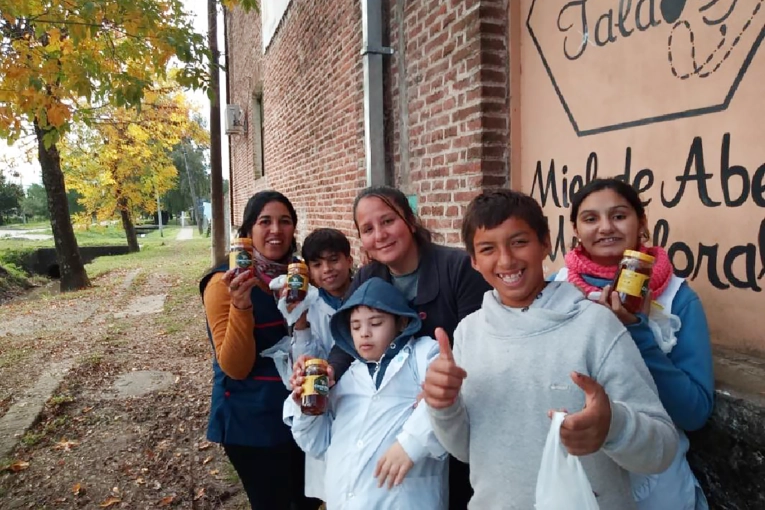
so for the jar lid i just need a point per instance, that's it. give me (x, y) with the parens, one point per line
(246, 241)
(315, 361)
(640, 256)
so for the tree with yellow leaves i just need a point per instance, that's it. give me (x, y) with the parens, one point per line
(124, 159)
(57, 55)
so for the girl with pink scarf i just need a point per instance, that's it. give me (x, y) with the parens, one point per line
(609, 218)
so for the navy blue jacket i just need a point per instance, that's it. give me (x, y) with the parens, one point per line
(448, 290)
(248, 412)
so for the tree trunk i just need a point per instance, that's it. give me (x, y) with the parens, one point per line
(219, 244)
(127, 224)
(73, 275)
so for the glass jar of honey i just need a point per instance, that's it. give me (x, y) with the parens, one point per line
(632, 279)
(240, 256)
(315, 387)
(297, 281)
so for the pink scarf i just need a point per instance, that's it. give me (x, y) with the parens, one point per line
(267, 269)
(579, 263)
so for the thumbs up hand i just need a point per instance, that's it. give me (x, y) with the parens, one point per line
(444, 378)
(585, 432)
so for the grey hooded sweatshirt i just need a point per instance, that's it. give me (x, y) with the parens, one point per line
(518, 364)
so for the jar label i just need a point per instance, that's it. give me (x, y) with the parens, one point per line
(240, 259)
(633, 283)
(316, 385)
(297, 282)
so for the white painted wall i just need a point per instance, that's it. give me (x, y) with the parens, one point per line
(271, 12)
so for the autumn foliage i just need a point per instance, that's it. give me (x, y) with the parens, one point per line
(123, 160)
(63, 61)
(58, 54)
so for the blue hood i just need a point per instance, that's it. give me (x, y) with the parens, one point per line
(379, 294)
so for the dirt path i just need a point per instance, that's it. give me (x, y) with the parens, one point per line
(101, 440)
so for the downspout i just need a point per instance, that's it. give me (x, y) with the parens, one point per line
(372, 52)
(403, 105)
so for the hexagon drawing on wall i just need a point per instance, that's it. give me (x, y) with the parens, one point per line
(616, 64)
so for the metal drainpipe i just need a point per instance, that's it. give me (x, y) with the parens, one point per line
(372, 52)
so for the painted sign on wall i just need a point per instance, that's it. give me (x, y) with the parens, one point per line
(666, 95)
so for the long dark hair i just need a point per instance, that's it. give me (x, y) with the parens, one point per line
(397, 201)
(255, 206)
(629, 193)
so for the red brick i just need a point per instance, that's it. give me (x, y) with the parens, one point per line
(465, 196)
(467, 168)
(453, 239)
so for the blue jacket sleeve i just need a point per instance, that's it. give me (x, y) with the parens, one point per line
(684, 377)
(311, 433)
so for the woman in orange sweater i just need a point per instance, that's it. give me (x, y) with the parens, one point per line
(248, 394)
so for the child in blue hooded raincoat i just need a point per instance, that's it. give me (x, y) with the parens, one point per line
(379, 447)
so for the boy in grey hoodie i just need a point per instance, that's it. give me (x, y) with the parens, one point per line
(532, 348)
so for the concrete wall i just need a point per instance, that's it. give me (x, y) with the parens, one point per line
(728, 454)
(670, 98)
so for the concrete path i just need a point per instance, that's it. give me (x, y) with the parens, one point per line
(185, 234)
(30, 235)
(143, 305)
(140, 382)
(17, 420)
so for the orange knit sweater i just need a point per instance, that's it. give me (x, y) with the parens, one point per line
(232, 330)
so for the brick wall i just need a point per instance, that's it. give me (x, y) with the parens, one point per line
(244, 74)
(312, 83)
(450, 107)
(457, 102)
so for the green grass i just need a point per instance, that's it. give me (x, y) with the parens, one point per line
(36, 225)
(32, 438)
(94, 236)
(93, 360)
(183, 261)
(57, 400)
(171, 256)
(16, 279)
(230, 474)
(195, 262)
(13, 356)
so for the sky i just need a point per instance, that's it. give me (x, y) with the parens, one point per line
(13, 159)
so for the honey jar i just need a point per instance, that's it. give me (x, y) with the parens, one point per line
(632, 279)
(315, 387)
(297, 281)
(240, 256)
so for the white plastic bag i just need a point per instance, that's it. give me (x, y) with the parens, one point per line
(280, 353)
(292, 317)
(562, 483)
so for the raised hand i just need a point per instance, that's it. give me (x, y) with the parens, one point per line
(298, 376)
(585, 432)
(444, 378)
(240, 287)
(393, 466)
(610, 299)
